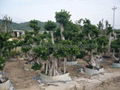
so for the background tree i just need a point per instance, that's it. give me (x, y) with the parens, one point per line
(6, 24)
(5, 48)
(115, 45)
(50, 26)
(62, 18)
(34, 25)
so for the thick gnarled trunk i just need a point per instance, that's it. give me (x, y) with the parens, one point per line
(61, 32)
(65, 61)
(117, 59)
(52, 37)
(92, 60)
(109, 44)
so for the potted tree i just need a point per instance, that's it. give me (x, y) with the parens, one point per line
(5, 49)
(48, 56)
(91, 46)
(116, 53)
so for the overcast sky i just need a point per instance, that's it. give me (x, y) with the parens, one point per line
(43, 10)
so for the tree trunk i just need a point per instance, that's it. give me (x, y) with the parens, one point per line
(56, 67)
(65, 61)
(5, 28)
(51, 69)
(92, 62)
(61, 32)
(115, 56)
(115, 36)
(109, 44)
(46, 68)
(52, 37)
(89, 36)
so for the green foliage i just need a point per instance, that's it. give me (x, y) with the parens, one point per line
(36, 66)
(34, 25)
(102, 40)
(62, 17)
(57, 35)
(71, 40)
(109, 29)
(81, 55)
(88, 28)
(4, 37)
(71, 31)
(24, 25)
(42, 51)
(116, 44)
(5, 45)
(28, 38)
(14, 53)
(61, 51)
(74, 50)
(102, 43)
(2, 63)
(91, 45)
(66, 48)
(37, 39)
(50, 25)
(6, 24)
(25, 49)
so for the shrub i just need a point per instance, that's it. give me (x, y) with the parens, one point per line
(36, 66)
(2, 63)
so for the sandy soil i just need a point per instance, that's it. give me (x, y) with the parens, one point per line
(22, 79)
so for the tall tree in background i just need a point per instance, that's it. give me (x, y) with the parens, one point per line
(115, 45)
(34, 25)
(50, 26)
(110, 36)
(62, 18)
(6, 24)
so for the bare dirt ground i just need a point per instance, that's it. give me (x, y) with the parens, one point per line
(22, 79)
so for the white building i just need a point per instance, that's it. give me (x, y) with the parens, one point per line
(18, 33)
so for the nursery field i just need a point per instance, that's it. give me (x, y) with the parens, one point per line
(67, 55)
(23, 79)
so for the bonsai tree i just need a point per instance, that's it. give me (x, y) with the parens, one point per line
(110, 37)
(61, 52)
(90, 43)
(26, 44)
(34, 25)
(72, 31)
(65, 49)
(116, 50)
(6, 24)
(50, 26)
(26, 49)
(44, 55)
(62, 18)
(5, 48)
(102, 43)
